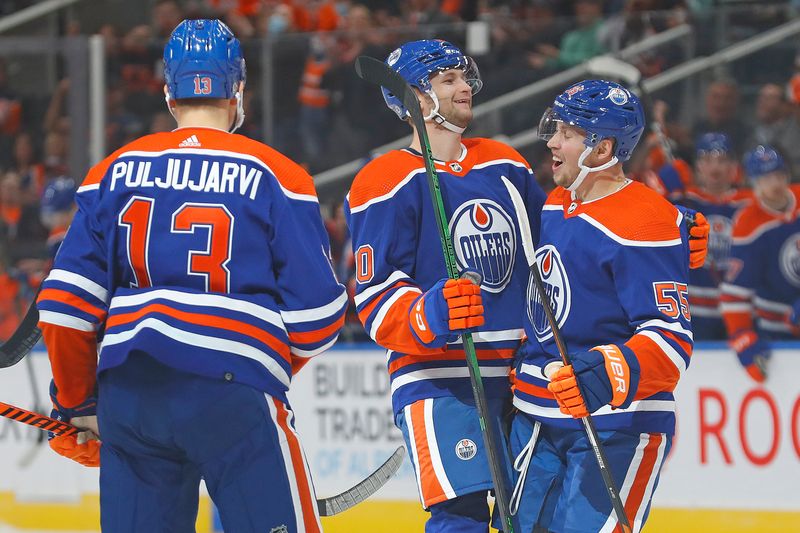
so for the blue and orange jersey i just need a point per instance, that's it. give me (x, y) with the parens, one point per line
(398, 256)
(203, 249)
(704, 282)
(763, 281)
(616, 272)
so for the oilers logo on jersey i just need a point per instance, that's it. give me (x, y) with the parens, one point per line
(789, 259)
(485, 240)
(719, 241)
(556, 284)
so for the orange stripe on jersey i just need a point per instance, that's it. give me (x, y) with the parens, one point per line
(772, 315)
(450, 355)
(310, 337)
(642, 478)
(685, 345)
(657, 372)
(751, 219)
(203, 320)
(381, 175)
(533, 390)
(66, 297)
(394, 333)
(73, 358)
(432, 491)
(737, 321)
(703, 301)
(367, 310)
(635, 213)
(307, 502)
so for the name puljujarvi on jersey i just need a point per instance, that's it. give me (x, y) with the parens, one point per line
(183, 173)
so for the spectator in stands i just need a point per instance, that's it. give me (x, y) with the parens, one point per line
(27, 166)
(722, 114)
(425, 12)
(315, 100)
(775, 124)
(12, 304)
(57, 209)
(10, 116)
(577, 45)
(20, 228)
(166, 15)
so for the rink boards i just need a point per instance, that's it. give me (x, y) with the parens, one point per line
(734, 464)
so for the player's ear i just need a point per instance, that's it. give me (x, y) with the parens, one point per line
(605, 149)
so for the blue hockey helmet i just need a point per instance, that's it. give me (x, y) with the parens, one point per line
(58, 195)
(603, 109)
(762, 160)
(713, 143)
(417, 61)
(203, 59)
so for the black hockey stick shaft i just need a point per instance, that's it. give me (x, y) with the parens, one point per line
(377, 72)
(326, 506)
(588, 423)
(23, 339)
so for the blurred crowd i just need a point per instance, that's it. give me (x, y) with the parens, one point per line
(322, 115)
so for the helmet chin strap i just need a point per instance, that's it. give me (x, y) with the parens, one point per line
(237, 123)
(436, 117)
(586, 170)
(169, 107)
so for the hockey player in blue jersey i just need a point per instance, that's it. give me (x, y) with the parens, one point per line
(715, 194)
(406, 304)
(612, 256)
(761, 291)
(202, 258)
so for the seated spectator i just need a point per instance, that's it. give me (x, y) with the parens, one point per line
(722, 114)
(577, 45)
(28, 167)
(10, 116)
(12, 304)
(775, 124)
(761, 291)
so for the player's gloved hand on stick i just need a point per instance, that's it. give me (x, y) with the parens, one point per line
(699, 229)
(753, 353)
(445, 311)
(83, 447)
(605, 375)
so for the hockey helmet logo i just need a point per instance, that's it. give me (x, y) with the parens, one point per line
(485, 240)
(719, 242)
(556, 284)
(393, 57)
(466, 449)
(618, 96)
(573, 90)
(789, 259)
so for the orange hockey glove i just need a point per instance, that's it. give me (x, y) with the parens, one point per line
(445, 311)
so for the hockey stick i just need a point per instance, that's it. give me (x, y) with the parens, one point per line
(377, 72)
(364, 489)
(326, 506)
(588, 423)
(23, 339)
